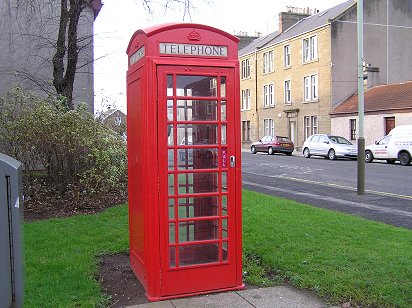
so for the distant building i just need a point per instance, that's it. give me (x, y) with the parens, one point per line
(386, 106)
(291, 80)
(28, 35)
(246, 39)
(115, 119)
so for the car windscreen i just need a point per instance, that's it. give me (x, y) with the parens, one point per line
(339, 140)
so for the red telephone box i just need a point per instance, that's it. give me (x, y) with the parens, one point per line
(183, 131)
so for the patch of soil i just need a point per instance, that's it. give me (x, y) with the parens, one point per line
(119, 282)
(41, 202)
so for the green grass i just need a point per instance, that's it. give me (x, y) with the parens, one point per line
(61, 257)
(339, 256)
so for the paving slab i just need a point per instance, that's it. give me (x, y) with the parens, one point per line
(282, 297)
(271, 297)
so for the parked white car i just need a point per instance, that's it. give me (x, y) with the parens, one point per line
(397, 145)
(329, 146)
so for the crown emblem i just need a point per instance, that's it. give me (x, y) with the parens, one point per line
(194, 36)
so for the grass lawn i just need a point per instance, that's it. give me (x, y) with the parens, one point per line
(339, 256)
(60, 257)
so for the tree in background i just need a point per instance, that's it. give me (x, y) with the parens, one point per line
(50, 42)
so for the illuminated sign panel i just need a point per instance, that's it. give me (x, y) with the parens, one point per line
(137, 55)
(192, 50)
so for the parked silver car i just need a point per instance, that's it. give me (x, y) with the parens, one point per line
(329, 146)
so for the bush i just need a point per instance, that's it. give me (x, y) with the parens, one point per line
(76, 153)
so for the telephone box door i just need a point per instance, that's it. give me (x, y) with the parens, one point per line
(196, 155)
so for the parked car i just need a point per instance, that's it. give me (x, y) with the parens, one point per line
(329, 146)
(397, 145)
(272, 145)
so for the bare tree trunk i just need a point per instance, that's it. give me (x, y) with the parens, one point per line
(63, 79)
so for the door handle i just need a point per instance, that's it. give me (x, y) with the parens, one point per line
(232, 161)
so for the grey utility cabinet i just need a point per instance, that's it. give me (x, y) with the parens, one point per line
(11, 214)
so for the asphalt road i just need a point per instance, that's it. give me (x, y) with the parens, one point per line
(333, 185)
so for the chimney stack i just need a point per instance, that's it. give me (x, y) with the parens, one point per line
(291, 16)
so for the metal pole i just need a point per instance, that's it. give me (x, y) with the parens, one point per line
(361, 136)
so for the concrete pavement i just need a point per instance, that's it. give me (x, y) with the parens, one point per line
(271, 297)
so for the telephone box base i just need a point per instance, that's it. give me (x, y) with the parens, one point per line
(162, 298)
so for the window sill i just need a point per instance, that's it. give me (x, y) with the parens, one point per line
(310, 61)
(267, 73)
(311, 101)
(288, 103)
(246, 78)
(287, 67)
(268, 107)
(246, 109)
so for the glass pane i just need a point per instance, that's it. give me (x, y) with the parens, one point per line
(171, 208)
(198, 230)
(171, 159)
(198, 207)
(223, 110)
(224, 228)
(198, 254)
(197, 134)
(196, 110)
(171, 184)
(186, 232)
(170, 135)
(170, 110)
(224, 205)
(222, 86)
(172, 233)
(169, 85)
(185, 159)
(186, 183)
(172, 254)
(198, 182)
(224, 181)
(223, 134)
(224, 251)
(184, 110)
(196, 85)
(190, 159)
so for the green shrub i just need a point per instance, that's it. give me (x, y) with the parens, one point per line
(77, 154)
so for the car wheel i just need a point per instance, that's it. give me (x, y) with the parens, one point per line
(270, 151)
(288, 153)
(368, 157)
(404, 158)
(332, 154)
(390, 161)
(306, 153)
(253, 149)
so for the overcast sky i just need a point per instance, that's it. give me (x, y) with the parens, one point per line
(119, 19)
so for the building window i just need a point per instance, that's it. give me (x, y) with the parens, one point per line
(268, 95)
(118, 121)
(286, 56)
(352, 129)
(245, 130)
(269, 127)
(310, 48)
(310, 86)
(288, 97)
(246, 99)
(245, 69)
(268, 62)
(310, 125)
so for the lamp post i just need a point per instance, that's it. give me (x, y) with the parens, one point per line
(361, 136)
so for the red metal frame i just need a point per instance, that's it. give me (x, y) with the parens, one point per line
(185, 225)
